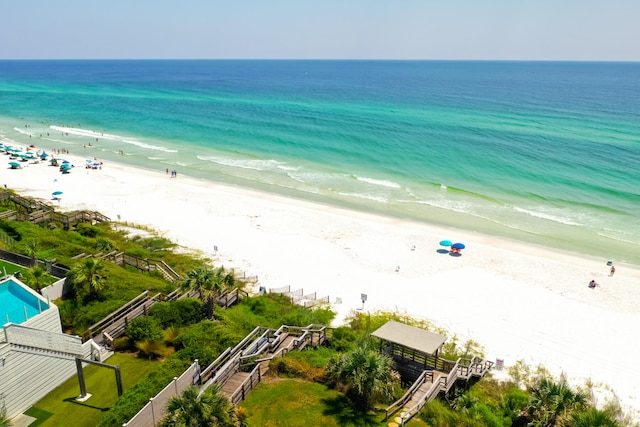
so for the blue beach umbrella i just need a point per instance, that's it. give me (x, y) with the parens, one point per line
(57, 193)
(14, 165)
(445, 243)
(458, 246)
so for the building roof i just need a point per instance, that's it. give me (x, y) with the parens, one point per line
(410, 337)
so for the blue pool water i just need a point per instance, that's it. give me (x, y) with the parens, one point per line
(13, 301)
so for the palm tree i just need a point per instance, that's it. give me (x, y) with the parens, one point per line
(209, 284)
(194, 409)
(365, 373)
(34, 277)
(32, 251)
(553, 402)
(150, 348)
(87, 273)
(591, 418)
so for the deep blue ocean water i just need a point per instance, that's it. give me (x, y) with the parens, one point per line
(545, 152)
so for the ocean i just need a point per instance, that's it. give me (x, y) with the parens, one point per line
(541, 152)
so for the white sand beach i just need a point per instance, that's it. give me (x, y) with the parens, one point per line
(518, 300)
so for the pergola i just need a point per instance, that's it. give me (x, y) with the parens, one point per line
(409, 345)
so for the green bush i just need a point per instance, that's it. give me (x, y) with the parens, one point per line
(514, 402)
(436, 413)
(104, 244)
(342, 339)
(179, 313)
(308, 364)
(204, 341)
(133, 399)
(121, 343)
(143, 328)
(87, 230)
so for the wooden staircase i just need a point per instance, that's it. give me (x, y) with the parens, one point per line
(240, 369)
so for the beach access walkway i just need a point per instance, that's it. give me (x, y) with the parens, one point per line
(237, 370)
(240, 369)
(444, 375)
(114, 324)
(416, 356)
(35, 211)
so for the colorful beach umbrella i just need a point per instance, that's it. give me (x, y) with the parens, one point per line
(445, 243)
(14, 165)
(458, 246)
(57, 193)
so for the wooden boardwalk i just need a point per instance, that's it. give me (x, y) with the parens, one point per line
(239, 370)
(234, 383)
(113, 325)
(433, 382)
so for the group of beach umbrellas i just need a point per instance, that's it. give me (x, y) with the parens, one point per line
(455, 247)
(17, 154)
(13, 152)
(65, 166)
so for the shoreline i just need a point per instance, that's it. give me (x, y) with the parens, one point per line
(519, 301)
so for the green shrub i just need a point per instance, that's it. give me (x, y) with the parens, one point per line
(297, 368)
(104, 244)
(514, 402)
(87, 230)
(170, 335)
(121, 343)
(179, 313)
(342, 339)
(134, 398)
(151, 348)
(143, 328)
(257, 305)
(204, 341)
(436, 413)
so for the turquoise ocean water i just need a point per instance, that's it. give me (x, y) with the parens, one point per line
(544, 152)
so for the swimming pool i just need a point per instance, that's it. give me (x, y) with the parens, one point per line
(15, 300)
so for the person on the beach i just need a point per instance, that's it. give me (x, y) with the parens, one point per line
(592, 284)
(613, 270)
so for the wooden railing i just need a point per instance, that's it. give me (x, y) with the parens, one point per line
(165, 269)
(235, 353)
(247, 386)
(116, 316)
(143, 264)
(246, 355)
(463, 368)
(426, 376)
(433, 391)
(38, 211)
(25, 202)
(214, 366)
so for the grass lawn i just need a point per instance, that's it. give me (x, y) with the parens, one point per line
(292, 402)
(9, 268)
(101, 384)
(13, 268)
